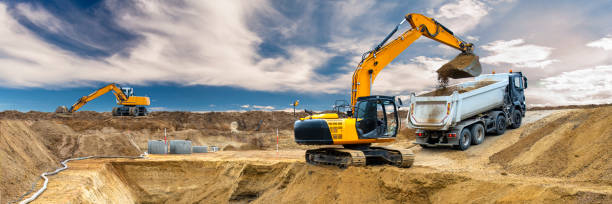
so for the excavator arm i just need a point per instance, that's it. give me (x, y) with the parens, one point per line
(377, 59)
(111, 87)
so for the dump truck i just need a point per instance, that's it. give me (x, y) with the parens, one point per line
(461, 115)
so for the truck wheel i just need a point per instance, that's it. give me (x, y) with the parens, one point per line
(465, 139)
(478, 134)
(517, 118)
(500, 124)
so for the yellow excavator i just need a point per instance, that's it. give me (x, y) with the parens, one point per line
(132, 105)
(374, 119)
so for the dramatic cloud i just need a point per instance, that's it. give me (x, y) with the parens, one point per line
(603, 43)
(461, 16)
(584, 86)
(196, 43)
(518, 54)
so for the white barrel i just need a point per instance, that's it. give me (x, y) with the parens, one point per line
(200, 149)
(157, 147)
(180, 147)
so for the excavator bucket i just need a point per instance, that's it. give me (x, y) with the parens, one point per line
(462, 66)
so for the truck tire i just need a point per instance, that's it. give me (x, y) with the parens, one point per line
(500, 124)
(478, 134)
(517, 118)
(465, 139)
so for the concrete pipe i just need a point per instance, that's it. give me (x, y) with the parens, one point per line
(180, 147)
(157, 147)
(200, 149)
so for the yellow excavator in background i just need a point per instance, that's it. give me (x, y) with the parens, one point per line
(374, 119)
(132, 105)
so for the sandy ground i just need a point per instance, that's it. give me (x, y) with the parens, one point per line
(505, 168)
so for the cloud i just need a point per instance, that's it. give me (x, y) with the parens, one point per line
(263, 107)
(584, 86)
(603, 43)
(245, 106)
(518, 54)
(461, 16)
(158, 109)
(403, 78)
(195, 43)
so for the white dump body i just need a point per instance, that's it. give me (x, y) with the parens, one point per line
(443, 112)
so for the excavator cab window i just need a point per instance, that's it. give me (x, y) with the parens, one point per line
(376, 118)
(128, 91)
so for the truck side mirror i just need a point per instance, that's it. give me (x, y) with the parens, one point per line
(524, 82)
(400, 102)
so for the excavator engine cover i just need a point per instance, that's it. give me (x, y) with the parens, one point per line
(462, 66)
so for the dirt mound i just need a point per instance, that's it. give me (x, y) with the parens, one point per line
(191, 180)
(577, 145)
(447, 91)
(23, 156)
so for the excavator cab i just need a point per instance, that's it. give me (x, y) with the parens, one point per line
(376, 117)
(127, 91)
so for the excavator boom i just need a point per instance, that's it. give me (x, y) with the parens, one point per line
(379, 57)
(111, 87)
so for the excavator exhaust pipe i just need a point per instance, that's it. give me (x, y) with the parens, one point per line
(462, 66)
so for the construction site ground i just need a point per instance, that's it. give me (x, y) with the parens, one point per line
(557, 156)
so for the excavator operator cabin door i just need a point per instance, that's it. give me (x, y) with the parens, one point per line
(376, 118)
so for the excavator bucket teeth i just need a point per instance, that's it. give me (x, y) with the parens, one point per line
(462, 66)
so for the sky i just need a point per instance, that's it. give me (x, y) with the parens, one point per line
(263, 54)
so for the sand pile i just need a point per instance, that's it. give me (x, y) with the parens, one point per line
(577, 146)
(447, 91)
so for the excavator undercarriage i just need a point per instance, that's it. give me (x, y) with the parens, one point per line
(360, 156)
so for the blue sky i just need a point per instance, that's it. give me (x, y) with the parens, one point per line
(261, 55)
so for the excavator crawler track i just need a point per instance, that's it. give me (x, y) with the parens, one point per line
(405, 161)
(336, 157)
(343, 157)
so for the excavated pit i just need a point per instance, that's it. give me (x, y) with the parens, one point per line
(191, 180)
